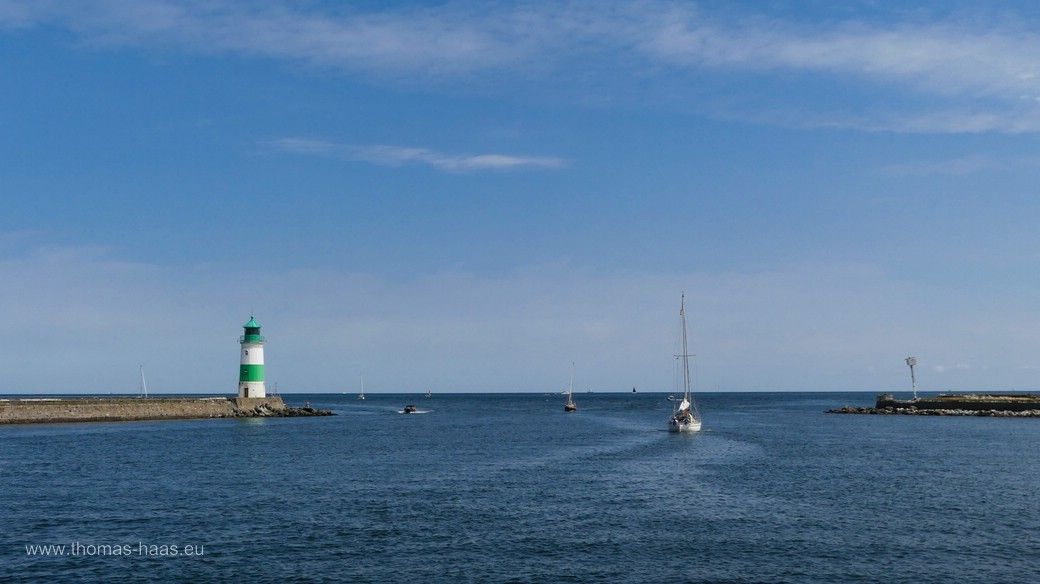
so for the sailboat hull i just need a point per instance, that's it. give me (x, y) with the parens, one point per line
(684, 426)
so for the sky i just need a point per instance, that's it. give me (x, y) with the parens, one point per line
(472, 196)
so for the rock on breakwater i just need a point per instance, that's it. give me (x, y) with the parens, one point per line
(118, 409)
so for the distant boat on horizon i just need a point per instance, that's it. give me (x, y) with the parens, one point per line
(362, 394)
(428, 394)
(685, 417)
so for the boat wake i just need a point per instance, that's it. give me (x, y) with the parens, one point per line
(415, 412)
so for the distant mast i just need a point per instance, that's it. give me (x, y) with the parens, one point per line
(251, 373)
(911, 361)
(144, 384)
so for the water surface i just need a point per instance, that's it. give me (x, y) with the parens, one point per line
(509, 488)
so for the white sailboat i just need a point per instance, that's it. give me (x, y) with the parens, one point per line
(429, 394)
(686, 417)
(362, 394)
(570, 406)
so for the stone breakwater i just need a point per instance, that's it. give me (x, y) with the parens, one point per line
(970, 404)
(937, 412)
(121, 409)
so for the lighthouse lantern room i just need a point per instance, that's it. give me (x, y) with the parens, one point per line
(251, 373)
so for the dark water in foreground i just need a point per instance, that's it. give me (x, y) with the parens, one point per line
(508, 488)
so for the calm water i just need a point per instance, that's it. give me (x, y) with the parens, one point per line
(508, 488)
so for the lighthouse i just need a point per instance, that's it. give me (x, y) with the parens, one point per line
(251, 373)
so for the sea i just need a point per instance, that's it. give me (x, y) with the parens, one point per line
(509, 488)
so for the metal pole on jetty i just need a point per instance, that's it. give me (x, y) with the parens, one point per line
(911, 361)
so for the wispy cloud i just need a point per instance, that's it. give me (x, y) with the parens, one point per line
(938, 58)
(964, 75)
(401, 155)
(961, 166)
(948, 368)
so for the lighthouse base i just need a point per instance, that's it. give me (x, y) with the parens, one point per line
(252, 389)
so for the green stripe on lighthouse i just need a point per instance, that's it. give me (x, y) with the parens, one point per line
(251, 373)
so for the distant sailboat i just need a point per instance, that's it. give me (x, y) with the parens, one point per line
(362, 394)
(570, 406)
(144, 384)
(428, 393)
(686, 417)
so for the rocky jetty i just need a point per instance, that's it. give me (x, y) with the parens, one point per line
(42, 410)
(989, 405)
(265, 411)
(935, 412)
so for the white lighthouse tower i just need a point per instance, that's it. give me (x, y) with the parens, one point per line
(251, 373)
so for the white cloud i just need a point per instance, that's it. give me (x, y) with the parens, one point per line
(967, 76)
(401, 155)
(937, 58)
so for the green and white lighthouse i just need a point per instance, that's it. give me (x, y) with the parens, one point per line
(251, 373)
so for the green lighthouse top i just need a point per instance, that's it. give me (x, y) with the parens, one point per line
(252, 332)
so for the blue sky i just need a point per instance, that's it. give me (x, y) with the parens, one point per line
(470, 196)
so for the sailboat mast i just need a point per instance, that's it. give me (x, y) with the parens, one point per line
(144, 385)
(685, 353)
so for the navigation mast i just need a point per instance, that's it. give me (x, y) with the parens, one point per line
(144, 384)
(911, 361)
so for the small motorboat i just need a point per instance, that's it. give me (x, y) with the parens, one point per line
(408, 409)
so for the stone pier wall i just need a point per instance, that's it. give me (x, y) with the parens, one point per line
(114, 409)
(967, 402)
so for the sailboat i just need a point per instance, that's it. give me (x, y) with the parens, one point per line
(362, 394)
(570, 406)
(686, 417)
(428, 394)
